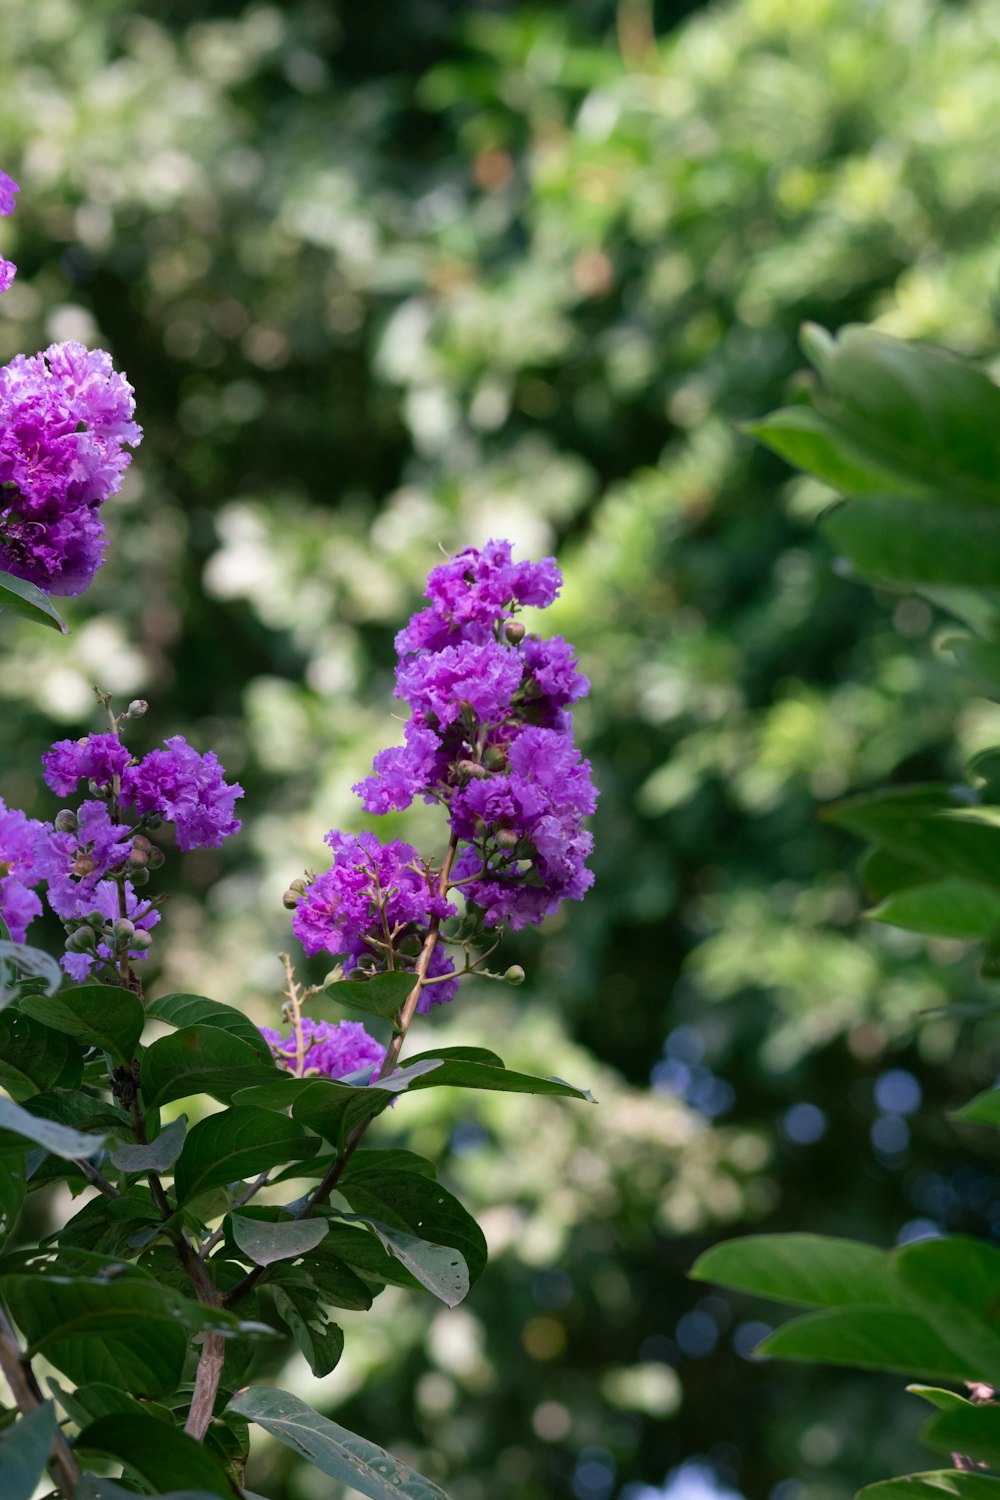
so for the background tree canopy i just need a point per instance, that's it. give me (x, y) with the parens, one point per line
(395, 277)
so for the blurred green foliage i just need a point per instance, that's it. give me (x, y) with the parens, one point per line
(395, 277)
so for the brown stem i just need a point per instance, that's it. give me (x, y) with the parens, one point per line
(206, 1385)
(336, 1169)
(62, 1465)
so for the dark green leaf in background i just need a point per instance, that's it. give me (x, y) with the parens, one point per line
(24, 1452)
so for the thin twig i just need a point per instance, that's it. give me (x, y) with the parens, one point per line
(62, 1465)
(251, 1192)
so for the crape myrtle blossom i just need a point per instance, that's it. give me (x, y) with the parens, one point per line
(65, 428)
(8, 191)
(91, 859)
(490, 738)
(331, 1049)
(22, 867)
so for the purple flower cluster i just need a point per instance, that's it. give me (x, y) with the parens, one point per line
(332, 1050)
(65, 427)
(8, 191)
(490, 736)
(369, 902)
(91, 860)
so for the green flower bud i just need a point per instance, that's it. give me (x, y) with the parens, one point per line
(291, 899)
(154, 857)
(515, 974)
(507, 838)
(95, 919)
(136, 708)
(470, 770)
(123, 930)
(495, 759)
(66, 821)
(138, 859)
(140, 941)
(514, 631)
(83, 940)
(138, 876)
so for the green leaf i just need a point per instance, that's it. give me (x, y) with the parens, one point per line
(264, 1243)
(341, 1454)
(69, 1144)
(195, 1010)
(99, 1015)
(18, 597)
(121, 1329)
(883, 874)
(158, 1156)
(200, 1060)
(934, 1485)
(240, 1142)
(804, 438)
(923, 414)
(952, 907)
(969, 1429)
(870, 1338)
(943, 1400)
(408, 1202)
(332, 1279)
(34, 1057)
(953, 1284)
(320, 1340)
(159, 1453)
(92, 1487)
(24, 1452)
(364, 1162)
(440, 1268)
(984, 1109)
(457, 1070)
(382, 995)
(806, 1270)
(918, 542)
(30, 961)
(13, 1186)
(980, 659)
(926, 827)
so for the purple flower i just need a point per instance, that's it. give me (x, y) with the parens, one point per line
(370, 891)
(22, 866)
(106, 899)
(97, 757)
(186, 789)
(65, 425)
(333, 1049)
(550, 670)
(76, 863)
(438, 994)
(8, 189)
(472, 591)
(404, 772)
(481, 678)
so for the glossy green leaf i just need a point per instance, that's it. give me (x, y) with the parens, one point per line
(382, 995)
(60, 1139)
(24, 1452)
(984, 1109)
(803, 437)
(806, 1270)
(200, 1060)
(869, 1338)
(408, 1202)
(969, 1429)
(99, 1015)
(935, 1485)
(160, 1454)
(33, 1057)
(33, 963)
(264, 1242)
(981, 659)
(239, 1142)
(943, 1400)
(953, 1284)
(918, 542)
(952, 907)
(457, 1070)
(18, 597)
(93, 1487)
(341, 1454)
(319, 1339)
(441, 1269)
(920, 413)
(158, 1156)
(183, 1010)
(926, 827)
(332, 1279)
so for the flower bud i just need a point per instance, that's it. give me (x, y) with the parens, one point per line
(83, 940)
(138, 859)
(507, 838)
(123, 930)
(66, 821)
(495, 758)
(291, 899)
(136, 708)
(470, 770)
(299, 886)
(95, 919)
(514, 975)
(154, 857)
(140, 941)
(138, 876)
(514, 631)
